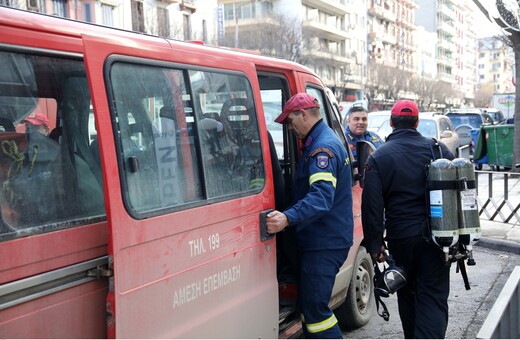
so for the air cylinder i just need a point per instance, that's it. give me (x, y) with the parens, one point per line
(442, 176)
(469, 221)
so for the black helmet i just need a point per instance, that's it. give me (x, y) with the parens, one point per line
(390, 280)
(387, 282)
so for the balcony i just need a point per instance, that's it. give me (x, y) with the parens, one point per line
(447, 12)
(388, 38)
(445, 60)
(381, 13)
(330, 33)
(327, 55)
(409, 3)
(335, 7)
(444, 76)
(250, 24)
(446, 28)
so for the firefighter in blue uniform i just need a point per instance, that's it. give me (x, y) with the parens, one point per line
(356, 129)
(321, 213)
(394, 200)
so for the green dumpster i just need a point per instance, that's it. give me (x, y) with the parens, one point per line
(499, 144)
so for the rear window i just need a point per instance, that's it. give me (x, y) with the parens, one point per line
(473, 120)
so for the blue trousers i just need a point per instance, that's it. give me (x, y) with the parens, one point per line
(423, 303)
(318, 271)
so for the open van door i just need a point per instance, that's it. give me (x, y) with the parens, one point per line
(186, 256)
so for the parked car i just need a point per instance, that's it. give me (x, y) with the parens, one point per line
(344, 107)
(466, 119)
(495, 114)
(431, 125)
(376, 119)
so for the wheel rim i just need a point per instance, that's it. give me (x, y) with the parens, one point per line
(363, 288)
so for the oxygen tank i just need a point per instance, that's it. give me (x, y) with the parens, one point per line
(442, 176)
(469, 221)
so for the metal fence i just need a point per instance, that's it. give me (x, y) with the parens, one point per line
(498, 195)
(503, 319)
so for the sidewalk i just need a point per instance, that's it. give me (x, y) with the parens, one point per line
(496, 234)
(500, 236)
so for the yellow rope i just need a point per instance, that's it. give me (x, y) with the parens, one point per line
(10, 149)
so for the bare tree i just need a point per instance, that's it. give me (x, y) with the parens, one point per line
(387, 82)
(484, 95)
(424, 88)
(509, 22)
(279, 36)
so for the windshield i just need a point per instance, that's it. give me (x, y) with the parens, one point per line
(427, 128)
(496, 116)
(375, 120)
(474, 120)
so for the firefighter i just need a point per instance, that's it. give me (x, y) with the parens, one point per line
(356, 129)
(394, 199)
(321, 213)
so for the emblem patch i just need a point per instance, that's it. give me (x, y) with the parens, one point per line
(322, 161)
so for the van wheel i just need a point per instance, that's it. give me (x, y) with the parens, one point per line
(357, 308)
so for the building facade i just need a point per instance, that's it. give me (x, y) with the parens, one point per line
(452, 20)
(346, 42)
(494, 67)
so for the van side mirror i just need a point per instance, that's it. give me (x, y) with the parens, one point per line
(363, 149)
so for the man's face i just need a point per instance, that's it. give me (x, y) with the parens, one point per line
(296, 123)
(358, 122)
(40, 128)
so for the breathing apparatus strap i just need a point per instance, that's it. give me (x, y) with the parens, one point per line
(384, 313)
(462, 266)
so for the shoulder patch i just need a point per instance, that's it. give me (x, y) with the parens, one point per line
(322, 161)
(318, 150)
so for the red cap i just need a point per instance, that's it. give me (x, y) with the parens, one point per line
(38, 119)
(405, 108)
(299, 101)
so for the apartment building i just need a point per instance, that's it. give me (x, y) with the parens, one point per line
(341, 40)
(391, 27)
(494, 67)
(452, 20)
(178, 19)
(328, 36)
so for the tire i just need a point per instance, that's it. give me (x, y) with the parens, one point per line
(356, 310)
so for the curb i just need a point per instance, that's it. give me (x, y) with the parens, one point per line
(498, 244)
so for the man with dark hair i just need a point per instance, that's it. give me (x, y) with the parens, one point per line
(321, 213)
(356, 129)
(394, 199)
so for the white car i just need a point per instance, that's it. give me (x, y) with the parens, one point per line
(376, 119)
(431, 125)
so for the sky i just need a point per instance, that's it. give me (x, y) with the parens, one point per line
(484, 27)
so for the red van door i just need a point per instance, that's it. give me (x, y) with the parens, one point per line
(185, 182)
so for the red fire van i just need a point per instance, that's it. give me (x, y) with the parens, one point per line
(139, 215)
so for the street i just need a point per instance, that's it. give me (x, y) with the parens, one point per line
(468, 308)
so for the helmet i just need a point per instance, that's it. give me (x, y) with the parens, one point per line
(390, 280)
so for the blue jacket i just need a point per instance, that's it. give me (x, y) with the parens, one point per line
(322, 213)
(368, 136)
(394, 196)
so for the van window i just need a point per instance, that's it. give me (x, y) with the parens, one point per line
(50, 177)
(185, 136)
